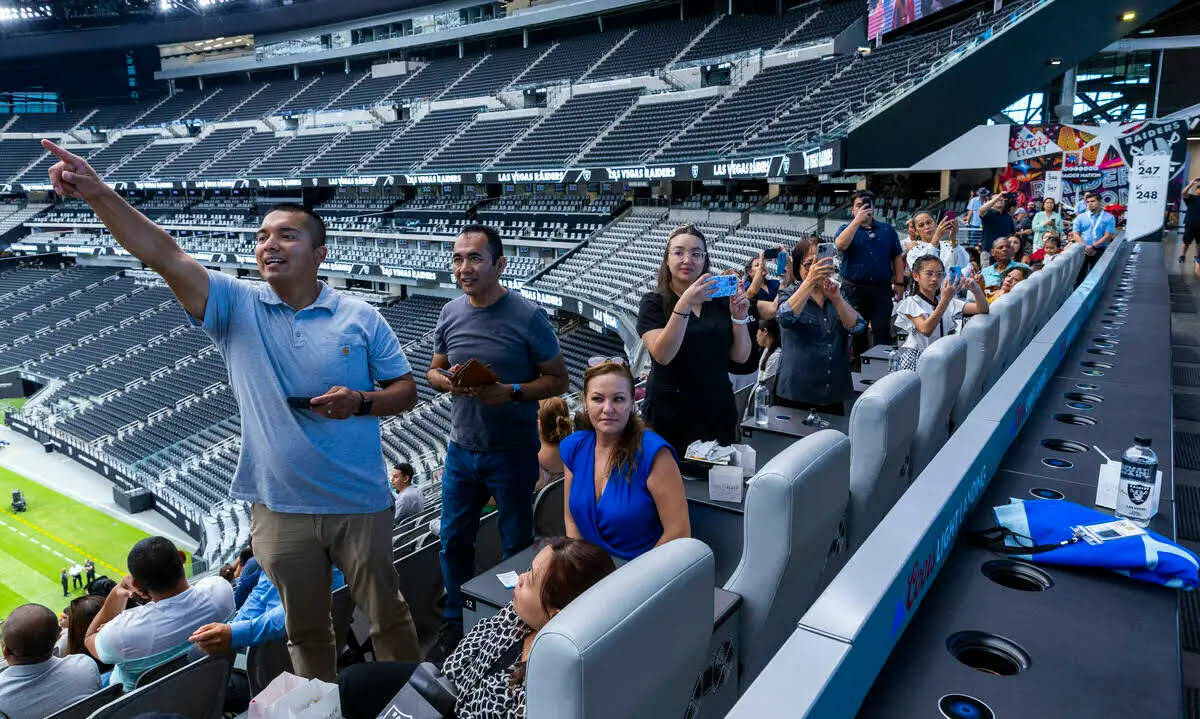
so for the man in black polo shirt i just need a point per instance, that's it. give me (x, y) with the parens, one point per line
(872, 269)
(996, 218)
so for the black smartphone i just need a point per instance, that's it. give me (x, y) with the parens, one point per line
(771, 253)
(300, 402)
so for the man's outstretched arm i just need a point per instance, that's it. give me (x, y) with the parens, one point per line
(71, 176)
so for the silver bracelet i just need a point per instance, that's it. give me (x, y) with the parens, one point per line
(736, 321)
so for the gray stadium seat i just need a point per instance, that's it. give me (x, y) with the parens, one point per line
(548, 507)
(84, 708)
(1027, 294)
(630, 646)
(942, 368)
(155, 673)
(882, 424)
(793, 507)
(1007, 313)
(421, 584)
(196, 691)
(981, 332)
(264, 662)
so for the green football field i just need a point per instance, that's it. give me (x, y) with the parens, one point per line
(56, 530)
(6, 404)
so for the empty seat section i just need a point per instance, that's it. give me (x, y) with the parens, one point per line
(272, 96)
(476, 147)
(234, 163)
(571, 58)
(199, 153)
(229, 97)
(738, 33)
(496, 73)
(766, 95)
(369, 92)
(568, 129)
(16, 155)
(350, 150)
(107, 156)
(646, 128)
(434, 78)
(423, 136)
(43, 122)
(318, 95)
(173, 108)
(291, 155)
(651, 47)
(144, 162)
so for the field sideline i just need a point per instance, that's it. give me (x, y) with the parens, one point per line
(56, 531)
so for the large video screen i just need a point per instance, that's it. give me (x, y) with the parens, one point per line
(887, 15)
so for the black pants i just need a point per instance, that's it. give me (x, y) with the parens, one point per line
(76, 581)
(366, 689)
(874, 303)
(64, 583)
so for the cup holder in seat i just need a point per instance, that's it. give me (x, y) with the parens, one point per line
(1099, 351)
(1094, 364)
(1057, 463)
(988, 653)
(1069, 446)
(962, 706)
(1075, 419)
(1083, 397)
(1021, 576)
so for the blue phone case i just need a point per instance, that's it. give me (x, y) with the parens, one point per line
(781, 264)
(726, 285)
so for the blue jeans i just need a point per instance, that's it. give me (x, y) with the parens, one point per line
(468, 479)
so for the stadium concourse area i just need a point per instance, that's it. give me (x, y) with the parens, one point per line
(585, 149)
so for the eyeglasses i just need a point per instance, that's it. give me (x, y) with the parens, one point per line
(596, 361)
(696, 255)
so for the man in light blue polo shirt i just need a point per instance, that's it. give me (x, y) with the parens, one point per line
(1094, 228)
(315, 475)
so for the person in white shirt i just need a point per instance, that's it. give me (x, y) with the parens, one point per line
(36, 683)
(137, 639)
(933, 311)
(926, 236)
(76, 575)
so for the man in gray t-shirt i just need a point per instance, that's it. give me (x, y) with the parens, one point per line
(37, 684)
(493, 440)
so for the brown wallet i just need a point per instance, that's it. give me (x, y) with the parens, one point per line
(474, 373)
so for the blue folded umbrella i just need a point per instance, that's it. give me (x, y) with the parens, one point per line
(1042, 524)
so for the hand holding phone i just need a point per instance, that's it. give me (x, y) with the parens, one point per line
(724, 286)
(300, 402)
(826, 250)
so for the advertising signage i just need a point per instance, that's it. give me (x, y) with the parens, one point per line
(825, 159)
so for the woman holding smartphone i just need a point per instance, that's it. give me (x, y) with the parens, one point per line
(693, 339)
(815, 324)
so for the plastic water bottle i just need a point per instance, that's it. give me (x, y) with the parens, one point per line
(894, 360)
(1139, 475)
(762, 404)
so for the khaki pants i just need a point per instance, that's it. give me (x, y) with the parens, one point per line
(298, 551)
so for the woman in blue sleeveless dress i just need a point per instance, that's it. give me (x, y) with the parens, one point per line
(623, 487)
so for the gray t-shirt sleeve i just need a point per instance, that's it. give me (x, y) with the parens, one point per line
(543, 342)
(439, 332)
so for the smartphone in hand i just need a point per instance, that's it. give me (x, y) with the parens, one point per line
(724, 286)
(825, 250)
(300, 402)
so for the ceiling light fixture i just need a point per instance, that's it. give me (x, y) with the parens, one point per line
(1054, 61)
(1128, 16)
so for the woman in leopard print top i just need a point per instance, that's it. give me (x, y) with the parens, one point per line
(488, 667)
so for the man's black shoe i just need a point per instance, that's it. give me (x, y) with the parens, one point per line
(448, 639)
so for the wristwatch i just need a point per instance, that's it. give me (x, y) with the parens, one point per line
(366, 406)
(517, 394)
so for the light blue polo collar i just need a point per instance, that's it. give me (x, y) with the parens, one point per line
(327, 298)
